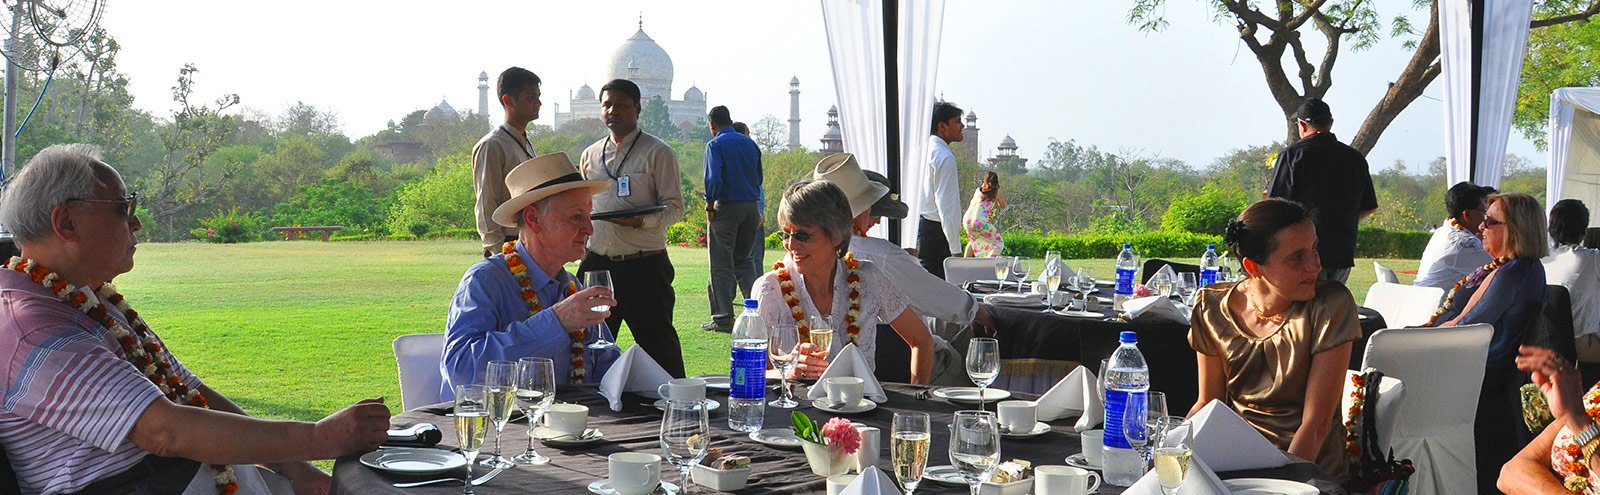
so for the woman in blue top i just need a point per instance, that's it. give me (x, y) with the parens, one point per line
(1507, 293)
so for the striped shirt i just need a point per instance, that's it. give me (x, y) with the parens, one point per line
(69, 396)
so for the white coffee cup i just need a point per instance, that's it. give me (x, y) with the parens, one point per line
(1092, 442)
(867, 455)
(567, 419)
(1018, 416)
(634, 473)
(1064, 480)
(837, 484)
(683, 390)
(844, 391)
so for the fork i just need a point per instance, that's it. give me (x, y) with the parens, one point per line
(481, 480)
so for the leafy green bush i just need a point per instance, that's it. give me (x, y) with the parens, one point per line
(773, 241)
(443, 199)
(687, 234)
(1204, 213)
(229, 227)
(1372, 242)
(419, 228)
(334, 202)
(368, 236)
(452, 234)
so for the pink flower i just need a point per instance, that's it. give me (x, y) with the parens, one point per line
(1140, 290)
(842, 435)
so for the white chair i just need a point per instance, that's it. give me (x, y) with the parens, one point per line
(417, 357)
(1443, 372)
(1390, 390)
(1385, 274)
(1403, 305)
(961, 270)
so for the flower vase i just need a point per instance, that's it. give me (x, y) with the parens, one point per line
(824, 460)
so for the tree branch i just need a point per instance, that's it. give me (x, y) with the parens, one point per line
(1243, 11)
(1313, 8)
(1306, 72)
(1593, 9)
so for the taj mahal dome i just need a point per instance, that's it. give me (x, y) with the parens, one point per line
(641, 60)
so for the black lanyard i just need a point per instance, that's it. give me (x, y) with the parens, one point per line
(621, 162)
(519, 142)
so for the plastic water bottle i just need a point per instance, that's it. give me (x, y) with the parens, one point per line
(747, 371)
(1208, 265)
(1127, 384)
(1127, 264)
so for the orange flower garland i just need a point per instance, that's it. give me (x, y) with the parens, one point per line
(520, 271)
(786, 285)
(1352, 422)
(1571, 457)
(1444, 306)
(140, 345)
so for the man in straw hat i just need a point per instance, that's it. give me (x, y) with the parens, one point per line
(522, 302)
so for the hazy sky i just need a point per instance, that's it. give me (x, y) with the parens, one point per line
(1033, 69)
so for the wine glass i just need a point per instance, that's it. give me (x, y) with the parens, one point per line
(1172, 457)
(536, 389)
(1162, 283)
(1086, 281)
(501, 378)
(600, 278)
(908, 448)
(983, 364)
(685, 436)
(1002, 270)
(821, 335)
(1188, 283)
(1052, 278)
(472, 419)
(1143, 420)
(975, 446)
(1157, 417)
(1019, 269)
(781, 342)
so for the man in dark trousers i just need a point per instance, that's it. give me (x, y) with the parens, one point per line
(733, 195)
(1331, 178)
(939, 226)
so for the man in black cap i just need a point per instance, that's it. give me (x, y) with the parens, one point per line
(1331, 178)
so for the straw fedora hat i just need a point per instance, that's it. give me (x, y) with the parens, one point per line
(842, 170)
(538, 178)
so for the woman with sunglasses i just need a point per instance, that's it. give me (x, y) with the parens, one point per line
(1507, 293)
(820, 279)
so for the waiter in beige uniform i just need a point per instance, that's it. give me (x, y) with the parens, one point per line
(643, 172)
(501, 150)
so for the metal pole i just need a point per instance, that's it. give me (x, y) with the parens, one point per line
(8, 142)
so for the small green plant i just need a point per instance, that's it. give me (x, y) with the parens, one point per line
(419, 228)
(229, 227)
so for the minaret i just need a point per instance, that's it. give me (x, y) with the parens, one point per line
(483, 95)
(794, 112)
(833, 139)
(969, 138)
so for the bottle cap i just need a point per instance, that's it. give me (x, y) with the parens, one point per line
(1211, 246)
(1126, 245)
(1128, 337)
(750, 303)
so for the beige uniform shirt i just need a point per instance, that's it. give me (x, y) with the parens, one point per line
(652, 171)
(499, 151)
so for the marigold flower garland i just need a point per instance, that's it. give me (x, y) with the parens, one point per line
(1568, 459)
(1352, 422)
(140, 345)
(853, 278)
(520, 271)
(1474, 277)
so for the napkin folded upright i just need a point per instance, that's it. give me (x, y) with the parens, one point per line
(1171, 274)
(1227, 443)
(1015, 299)
(1156, 309)
(634, 372)
(1066, 272)
(871, 482)
(1078, 393)
(1201, 480)
(850, 362)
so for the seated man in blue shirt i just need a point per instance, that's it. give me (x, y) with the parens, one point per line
(522, 302)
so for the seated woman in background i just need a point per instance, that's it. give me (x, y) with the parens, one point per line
(820, 278)
(1562, 457)
(1507, 293)
(983, 237)
(1577, 268)
(1274, 346)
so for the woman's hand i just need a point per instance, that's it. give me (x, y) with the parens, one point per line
(812, 362)
(1557, 379)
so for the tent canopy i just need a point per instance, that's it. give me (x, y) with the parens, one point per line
(1574, 169)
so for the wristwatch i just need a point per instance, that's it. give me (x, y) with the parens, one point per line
(1586, 438)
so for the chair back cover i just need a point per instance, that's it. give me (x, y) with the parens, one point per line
(1385, 274)
(1390, 389)
(1403, 305)
(1553, 330)
(1434, 426)
(1152, 265)
(417, 356)
(960, 270)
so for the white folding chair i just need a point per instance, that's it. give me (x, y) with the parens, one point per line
(1403, 305)
(1385, 274)
(417, 357)
(1443, 372)
(961, 270)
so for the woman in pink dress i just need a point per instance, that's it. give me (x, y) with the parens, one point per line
(983, 238)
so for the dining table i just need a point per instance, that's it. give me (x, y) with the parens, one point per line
(636, 428)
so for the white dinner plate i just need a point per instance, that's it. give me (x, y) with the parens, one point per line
(969, 395)
(1080, 314)
(413, 461)
(782, 438)
(1105, 283)
(947, 475)
(860, 407)
(603, 487)
(1039, 428)
(1268, 486)
(550, 437)
(719, 382)
(1081, 461)
(711, 405)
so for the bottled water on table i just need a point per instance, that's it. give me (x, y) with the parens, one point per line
(1208, 265)
(1127, 264)
(747, 372)
(1127, 382)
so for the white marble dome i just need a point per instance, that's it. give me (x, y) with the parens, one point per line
(694, 94)
(585, 92)
(443, 109)
(641, 60)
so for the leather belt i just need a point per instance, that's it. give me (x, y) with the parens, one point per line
(634, 256)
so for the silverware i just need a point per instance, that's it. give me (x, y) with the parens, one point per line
(924, 394)
(569, 437)
(481, 480)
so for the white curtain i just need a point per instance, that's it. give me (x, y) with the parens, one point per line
(1505, 41)
(1574, 133)
(921, 22)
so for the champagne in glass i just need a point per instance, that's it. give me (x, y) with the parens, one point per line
(975, 446)
(781, 342)
(472, 422)
(501, 379)
(599, 278)
(1162, 283)
(908, 448)
(1172, 466)
(823, 339)
(1002, 270)
(536, 389)
(983, 364)
(1052, 279)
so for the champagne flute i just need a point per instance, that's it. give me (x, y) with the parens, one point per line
(1019, 269)
(1156, 412)
(536, 389)
(472, 419)
(1162, 283)
(1135, 426)
(908, 448)
(975, 446)
(983, 364)
(1002, 270)
(501, 378)
(600, 278)
(1172, 457)
(1052, 278)
(781, 342)
(822, 336)
(685, 436)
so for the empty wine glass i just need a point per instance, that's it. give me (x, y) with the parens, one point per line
(536, 389)
(975, 446)
(600, 278)
(472, 420)
(781, 341)
(908, 448)
(1019, 269)
(1188, 283)
(501, 378)
(983, 364)
(1086, 281)
(685, 436)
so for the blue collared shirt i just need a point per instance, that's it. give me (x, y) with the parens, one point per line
(733, 167)
(489, 321)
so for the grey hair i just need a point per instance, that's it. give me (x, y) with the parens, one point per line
(820, 204)
(52, 177)
(542, 206)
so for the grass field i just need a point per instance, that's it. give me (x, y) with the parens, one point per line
(299, 329)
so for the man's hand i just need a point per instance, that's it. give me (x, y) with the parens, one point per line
(983, 322)
(577, 311)
(635, 221)
(361, 427)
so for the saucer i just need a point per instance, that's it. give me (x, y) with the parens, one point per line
(782, 438)
(1080, 314)
(549, 437)
(1081, 461)
(1253, 486)
(603, 487)
(718, 382)
(946, 475)
(860, 407)
(413, 461)
(1039, 428)
(711, 405)
(969, 395)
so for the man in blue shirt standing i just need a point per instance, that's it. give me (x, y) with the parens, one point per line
(733, 186)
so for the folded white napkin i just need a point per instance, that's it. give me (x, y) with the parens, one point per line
(1156, 309)
(1227, 443)
(1171, 274)
(1015, 299)
(850, 362)
(1066, 272)
(635, 372)
(1201, 480)
(871, 482)
(1078, 393)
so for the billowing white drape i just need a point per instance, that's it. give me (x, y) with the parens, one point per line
(1505, 40)
(1574, 133)
(921, 22)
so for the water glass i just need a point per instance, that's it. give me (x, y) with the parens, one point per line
(908, 448)
(1188, 283)
(685, 436)
(536, 390)
(501, 378)
(1019, 269)
(975, 446)
(600, 278)
(1086, 281)
(781, 341)
(472, 422)
(983, 364)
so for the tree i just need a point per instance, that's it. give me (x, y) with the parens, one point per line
(1559, 56)
(657, 120)
(180, 180)
(1273, 34)
(1067, 160)
(769, 133)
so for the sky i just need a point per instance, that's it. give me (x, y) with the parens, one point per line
(1031, 69)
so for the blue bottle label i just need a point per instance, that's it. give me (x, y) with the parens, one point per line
(1117, 402)
(748, 373)
(1208, 276)
(1125, 281)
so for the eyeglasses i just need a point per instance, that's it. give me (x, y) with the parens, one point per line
(798, 235)
(1489, 221)
(130, 204)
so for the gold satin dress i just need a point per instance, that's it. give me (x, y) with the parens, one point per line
(1265, 379)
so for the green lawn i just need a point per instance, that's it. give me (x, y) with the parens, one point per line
(300, 329)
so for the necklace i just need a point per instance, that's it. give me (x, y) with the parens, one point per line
(1263, 315)
(139, 344)
(520, 271)
(786, 285)
(1472, 278)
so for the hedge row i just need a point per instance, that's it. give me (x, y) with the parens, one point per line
(1371, 242)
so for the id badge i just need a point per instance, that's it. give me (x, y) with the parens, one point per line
(623, 190)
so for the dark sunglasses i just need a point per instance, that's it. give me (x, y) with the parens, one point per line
(798, 235)
(130, 204)
(1489, 221)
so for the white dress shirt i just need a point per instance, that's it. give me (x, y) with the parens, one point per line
(929, 296)
(1578, 269)
(941, 202)
(1451, 254)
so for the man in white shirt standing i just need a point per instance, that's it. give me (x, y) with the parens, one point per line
(1455, 250)
(939, 228)
(1578, 269)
